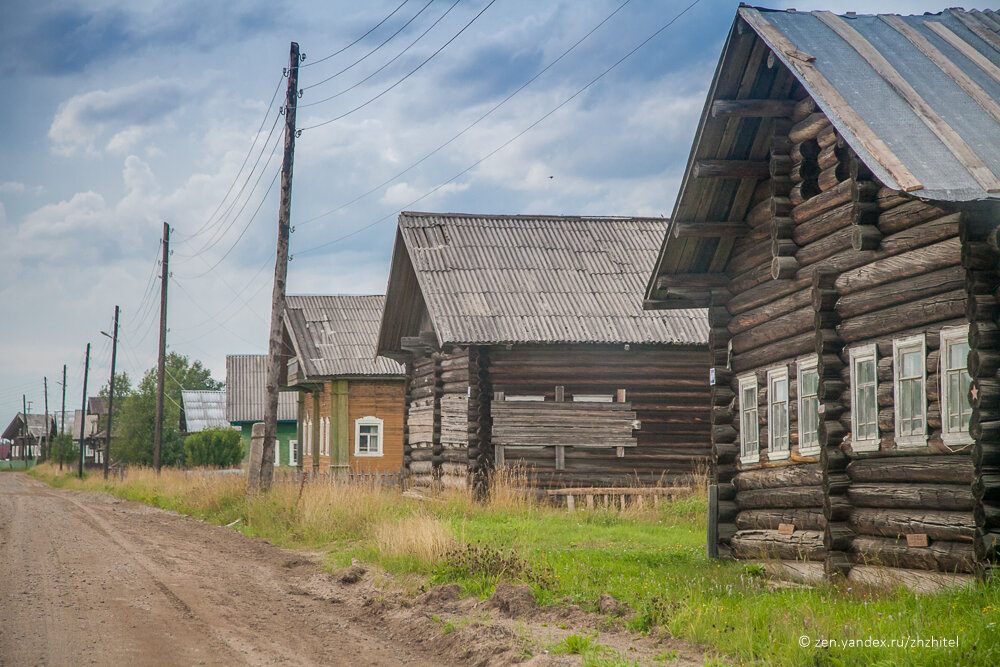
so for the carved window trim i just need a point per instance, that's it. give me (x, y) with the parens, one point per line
(804, 365)
(860, 355)
(379, 434)
(776, 450)
(749, 429)
(900, 347)
(949, 337)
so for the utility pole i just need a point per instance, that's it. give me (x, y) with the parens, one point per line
(27, 434)
(62, 419)
(111, 393)
(48, 431)
(162, 358)
(259, 479)
(83, 411)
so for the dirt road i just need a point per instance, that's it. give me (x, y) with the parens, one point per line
(89, 579)
(86, 578)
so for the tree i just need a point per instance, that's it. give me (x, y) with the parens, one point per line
(217, 447)
(133, 443)
(123, 389)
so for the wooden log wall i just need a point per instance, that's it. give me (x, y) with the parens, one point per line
(480, 419)
(666, 387)
(422, 396)
(451, 452)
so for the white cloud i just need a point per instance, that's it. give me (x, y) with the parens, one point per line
(403, 194)
(127, 113)
(12, 186)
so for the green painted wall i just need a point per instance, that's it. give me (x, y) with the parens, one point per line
(287, 431)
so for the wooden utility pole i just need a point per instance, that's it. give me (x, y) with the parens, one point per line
(162, 358)
(62, 419)
(259, 479)
(83, 411)
(48, 432)
(111, 394)
(27, 433)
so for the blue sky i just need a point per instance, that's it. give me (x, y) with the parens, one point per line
(120, 115)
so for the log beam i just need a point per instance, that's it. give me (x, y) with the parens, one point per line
(752, 108)
(731, 169)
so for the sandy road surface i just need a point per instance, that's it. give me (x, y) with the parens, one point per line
(89, 579)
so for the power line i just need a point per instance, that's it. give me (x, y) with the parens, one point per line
(186, 238)
(202, 308)
(370, 31)
(405, 77)
(511, 140)
(471, 125)
(364, 57)
(394, 59)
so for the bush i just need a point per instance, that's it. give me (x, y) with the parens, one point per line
(216, 447)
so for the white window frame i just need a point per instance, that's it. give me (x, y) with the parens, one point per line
(292, 454)
(593, 398)
(949, 337)
(805, 365)
(777, 374)
(857, 355)
(369, 421)
(900, 346)
(277, 452)
(328, 437)
(749, 451)
(309, 440)
(525, 398)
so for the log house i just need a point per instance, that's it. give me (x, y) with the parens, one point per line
(525, 343)
(854, 317)
(350, 402)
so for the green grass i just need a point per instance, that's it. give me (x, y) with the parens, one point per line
(15, 464)
(653, 561)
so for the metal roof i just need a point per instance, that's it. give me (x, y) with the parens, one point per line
(204, 409)
(915, 97)
(492, 279)
(245, 394)
(36, 426)
(334, 335)
(943, 59)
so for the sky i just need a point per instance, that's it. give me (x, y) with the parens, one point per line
(119, 116)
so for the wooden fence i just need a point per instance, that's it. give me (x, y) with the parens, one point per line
(285, 476)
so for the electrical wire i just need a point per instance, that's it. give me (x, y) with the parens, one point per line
(471, 125)
(509, 141)
(364, 57)
(202, 308)
(370, 31)
(380, 69)
(405, 77)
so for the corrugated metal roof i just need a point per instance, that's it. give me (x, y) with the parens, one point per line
(245, 395)
(204, 409)
(334, 335)
(490, 279)
(883, 105)
(915, 97)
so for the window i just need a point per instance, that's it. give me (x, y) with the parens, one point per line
(749, 431)
(955, 382)
(322, 436)
(910, 390)
(808, 384)
(277, 452)
(368, 436)
(293, 452)
(326, 435)
(777, 413)
(864, 399)
(309, 439)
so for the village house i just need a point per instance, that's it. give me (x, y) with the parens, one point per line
(245, 395)
(202, 409)
(525, 344)
(839, 218)
(350, 402)
(25, 435)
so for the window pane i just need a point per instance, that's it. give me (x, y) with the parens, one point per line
(749, 397)
(958, 354)
(905, 405)
(780, 389)
(912, 364)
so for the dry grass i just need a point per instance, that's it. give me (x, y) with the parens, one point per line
(420, 536)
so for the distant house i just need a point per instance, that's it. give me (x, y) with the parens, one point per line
(840, 216)
(245, 396)
(203, 409)
(26, 434)
(525, 343)
(350, 401)
(93, 435)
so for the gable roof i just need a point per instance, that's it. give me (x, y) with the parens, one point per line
(915, 97)
(246, 376)
(493, 279)
(36, 426)
(334, 335)
(204, 409)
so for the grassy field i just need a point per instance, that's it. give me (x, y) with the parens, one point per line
(652, 560)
